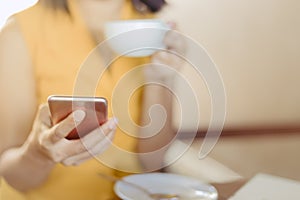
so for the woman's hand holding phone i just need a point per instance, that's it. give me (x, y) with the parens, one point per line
(48, 143)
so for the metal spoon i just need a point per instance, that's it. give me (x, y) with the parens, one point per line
(154, 196)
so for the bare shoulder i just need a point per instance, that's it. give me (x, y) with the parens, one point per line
(10, 29)
(10, 35)
(17, 86)
(14, 54)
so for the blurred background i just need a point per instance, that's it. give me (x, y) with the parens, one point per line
(9, 7)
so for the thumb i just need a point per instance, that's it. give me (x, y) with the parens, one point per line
(43, 115)
(172, 24)
(63, 128)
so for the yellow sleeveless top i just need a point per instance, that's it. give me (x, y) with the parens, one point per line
(59, 46)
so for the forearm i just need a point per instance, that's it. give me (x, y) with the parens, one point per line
(150, 140)
(165, 67)
(22, 170)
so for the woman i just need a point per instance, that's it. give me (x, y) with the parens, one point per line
(41, 50)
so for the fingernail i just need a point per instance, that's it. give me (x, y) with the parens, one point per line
(78, 115)
(171, 24)
(113, 123)
(116, 120)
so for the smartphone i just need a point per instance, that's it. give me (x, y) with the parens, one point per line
(94, 107)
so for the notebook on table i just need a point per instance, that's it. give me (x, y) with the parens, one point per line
(268, 187)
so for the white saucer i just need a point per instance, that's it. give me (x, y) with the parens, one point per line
(185, 187)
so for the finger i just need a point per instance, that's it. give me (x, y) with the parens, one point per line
(63, 128)
(176, 43)
(88, 154)
(163, 58)
(98, 134)
(92, 139)
(172, 24)
(44, 115)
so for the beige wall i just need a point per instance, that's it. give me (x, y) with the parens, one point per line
(256, 46)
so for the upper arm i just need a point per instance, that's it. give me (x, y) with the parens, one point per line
(17, 87)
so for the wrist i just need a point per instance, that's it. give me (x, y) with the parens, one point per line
(166, 81)
(32, 154)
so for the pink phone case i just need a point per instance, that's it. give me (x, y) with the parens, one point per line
(95, 108)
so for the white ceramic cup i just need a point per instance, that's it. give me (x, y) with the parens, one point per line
(136, 38)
